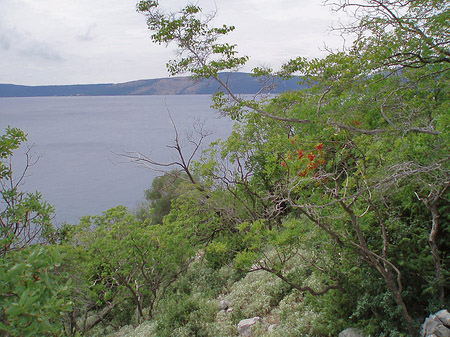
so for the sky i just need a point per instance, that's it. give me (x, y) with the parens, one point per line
(56, 42)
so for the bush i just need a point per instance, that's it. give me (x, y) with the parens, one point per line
(33, 296)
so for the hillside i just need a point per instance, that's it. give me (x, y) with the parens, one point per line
(240, 83)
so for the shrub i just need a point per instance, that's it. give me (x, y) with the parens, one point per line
(33, 296)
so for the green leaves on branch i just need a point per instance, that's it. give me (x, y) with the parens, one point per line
(200, 53)
(33, 296)
(9, 142)
(413, 34)
(125, 259)
(24, 217)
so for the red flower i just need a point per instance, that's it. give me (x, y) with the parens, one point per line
(283, 164)
(319, 147)
(312, 165)
(300, 154)
(356, 122)
(303, 173)
(311, 156)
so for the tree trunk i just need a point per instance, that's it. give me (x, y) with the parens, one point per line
(396, 292)
(384, 267)
(435, 251)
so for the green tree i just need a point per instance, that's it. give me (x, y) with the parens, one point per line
(158, 199)
(34, 296)
(124, 262)
(34, 293)
(370, 130)
(24, 217)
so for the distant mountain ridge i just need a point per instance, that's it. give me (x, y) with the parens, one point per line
(239, 83)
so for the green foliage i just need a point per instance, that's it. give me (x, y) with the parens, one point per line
(159, 197)
(352, 170)
(9, 142)
(190, 305)
(34, 297)
(125, 265)
(24, 217)
(185, 316)
(331, 201)
(192, 35)
(34, 294)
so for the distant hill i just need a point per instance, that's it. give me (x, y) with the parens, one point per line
(240, 83)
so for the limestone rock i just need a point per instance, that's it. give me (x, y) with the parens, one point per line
(444, 317)
(272, 327)
(245, 326)
(223, 305)
(437, 325)
(351, 332)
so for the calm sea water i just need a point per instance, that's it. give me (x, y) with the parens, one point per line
(77, 138)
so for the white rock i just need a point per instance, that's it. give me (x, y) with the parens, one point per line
(441, 331)
(437, 325)
(429, 326)
(444, 317)
(245, 326)
(223, 305)
(272, 327)
(351, 332)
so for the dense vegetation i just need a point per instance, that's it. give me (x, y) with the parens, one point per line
(327, 207)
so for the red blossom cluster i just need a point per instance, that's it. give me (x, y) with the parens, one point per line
(314, 159)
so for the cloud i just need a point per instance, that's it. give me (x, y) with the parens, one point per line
(16, 42)
(88, 35)
(4, 42)
(40, 50)
(50, 39)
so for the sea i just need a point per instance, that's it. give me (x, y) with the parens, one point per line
(78, 145)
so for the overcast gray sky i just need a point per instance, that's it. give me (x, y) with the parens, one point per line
(105, 41)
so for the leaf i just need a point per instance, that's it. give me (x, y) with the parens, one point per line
(15, 310)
